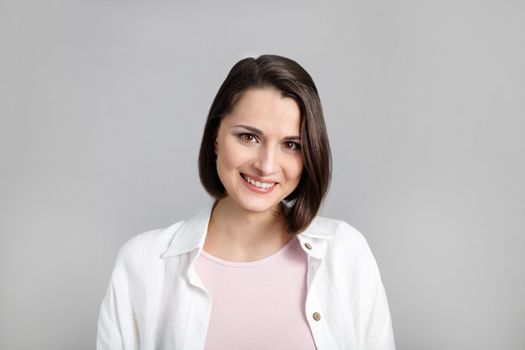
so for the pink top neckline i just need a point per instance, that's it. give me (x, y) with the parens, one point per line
(217, 260)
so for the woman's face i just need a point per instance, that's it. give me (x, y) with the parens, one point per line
(259, 159)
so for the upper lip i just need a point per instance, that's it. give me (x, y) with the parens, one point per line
(256, 178)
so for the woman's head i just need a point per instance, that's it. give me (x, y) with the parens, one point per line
(278, 95)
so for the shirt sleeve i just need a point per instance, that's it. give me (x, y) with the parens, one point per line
(117, 322)
(377, 324)
(108, 332)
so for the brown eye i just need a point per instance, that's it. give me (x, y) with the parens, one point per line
(249, 138)
(292, 145)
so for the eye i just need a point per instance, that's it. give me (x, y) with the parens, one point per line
(248, 138)
(294, 146)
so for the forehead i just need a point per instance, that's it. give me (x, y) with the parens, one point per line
(267, 109)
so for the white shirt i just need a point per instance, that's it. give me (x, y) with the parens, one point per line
(156, 300)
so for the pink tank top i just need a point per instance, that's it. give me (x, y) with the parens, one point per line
(257, 304)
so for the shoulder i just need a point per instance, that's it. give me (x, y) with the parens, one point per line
(146, 247)
(340, 232)
(345, 244)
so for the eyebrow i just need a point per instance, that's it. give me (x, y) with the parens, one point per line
(259, 132)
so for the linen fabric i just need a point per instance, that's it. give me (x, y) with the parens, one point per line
(156, 300)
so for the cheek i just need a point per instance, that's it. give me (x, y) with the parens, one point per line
(230, 156)
(296, 168)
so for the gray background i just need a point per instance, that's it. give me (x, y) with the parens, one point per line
(102, 107)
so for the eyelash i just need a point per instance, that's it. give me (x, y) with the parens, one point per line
(296, 145)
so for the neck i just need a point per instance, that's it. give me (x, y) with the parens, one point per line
(238, 235)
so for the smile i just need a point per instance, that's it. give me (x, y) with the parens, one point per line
(257, 183)
(265, 186)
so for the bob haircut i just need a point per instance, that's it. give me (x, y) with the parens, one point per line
(287, 76)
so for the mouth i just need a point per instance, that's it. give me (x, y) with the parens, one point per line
(258, 184)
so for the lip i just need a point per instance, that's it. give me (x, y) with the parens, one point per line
(256, 178)
(257, 189)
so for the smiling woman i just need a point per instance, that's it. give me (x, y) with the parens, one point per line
(257, 268)
(263, 162)
(278, 94)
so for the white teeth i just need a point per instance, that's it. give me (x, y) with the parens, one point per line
(257, 183)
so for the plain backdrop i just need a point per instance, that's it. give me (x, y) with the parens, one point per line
(103, 104)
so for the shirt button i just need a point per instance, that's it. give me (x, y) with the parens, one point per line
(317, 316)
(308, 245)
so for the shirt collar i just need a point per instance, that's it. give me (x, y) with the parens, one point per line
(190, 234)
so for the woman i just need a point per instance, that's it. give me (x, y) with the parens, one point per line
(257, 268)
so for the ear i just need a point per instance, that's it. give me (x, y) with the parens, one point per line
(215, 146)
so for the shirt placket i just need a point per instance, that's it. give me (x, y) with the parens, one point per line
(315, 314)
(200, 311)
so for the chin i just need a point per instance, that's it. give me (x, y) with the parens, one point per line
(257, 207)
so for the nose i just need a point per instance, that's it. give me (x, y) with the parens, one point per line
(266, 161)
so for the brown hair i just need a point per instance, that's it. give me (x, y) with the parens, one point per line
(287, 76)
